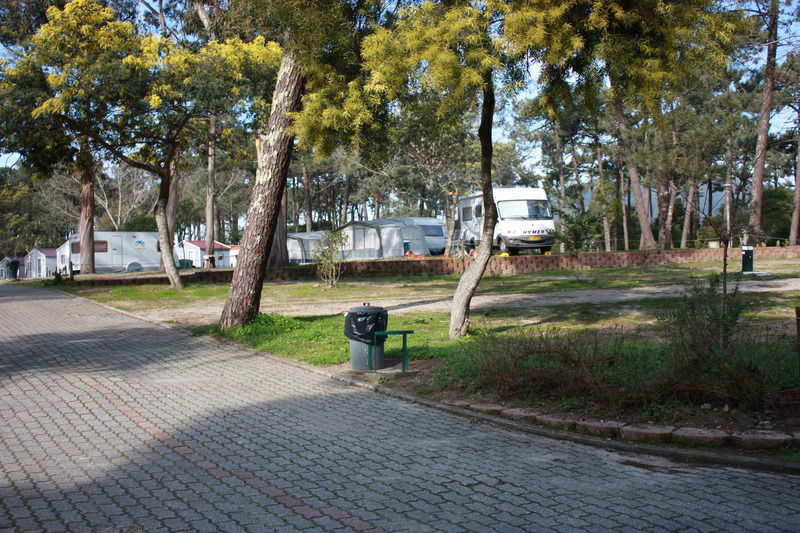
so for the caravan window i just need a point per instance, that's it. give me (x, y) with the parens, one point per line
(479, 211)
(99, 247)
(466, 214)
(359, 238)
(433, 231)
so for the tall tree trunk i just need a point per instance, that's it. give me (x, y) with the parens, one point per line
(793, 231)
(165, 236)
(763, 120)
(274, 150)
(345, 200)
(666, 206)
(687, 216)
(623, 200)
(459, 313)
(450, 215)
(174, 197)
(606, 224)
(559, 161)
(86, 169)
(307, 198)
(211, 193)
(279, 252)
(729, 188)
(647, 239)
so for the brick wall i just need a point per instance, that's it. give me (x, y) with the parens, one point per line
(498, 266)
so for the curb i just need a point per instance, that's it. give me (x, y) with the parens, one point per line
(646, 439)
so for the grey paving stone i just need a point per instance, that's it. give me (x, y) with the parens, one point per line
(110, 420)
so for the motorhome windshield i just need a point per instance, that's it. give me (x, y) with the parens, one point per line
(524, 209)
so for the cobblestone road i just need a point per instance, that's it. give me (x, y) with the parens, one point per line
(109, 423)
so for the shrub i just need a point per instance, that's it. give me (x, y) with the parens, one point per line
(328, 257)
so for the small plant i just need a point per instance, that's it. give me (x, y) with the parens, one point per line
(579, 232)
(328, 257)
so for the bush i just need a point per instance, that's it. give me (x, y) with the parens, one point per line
(328, 257)
(703, 351)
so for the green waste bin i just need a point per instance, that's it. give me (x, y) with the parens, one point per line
(747, 259)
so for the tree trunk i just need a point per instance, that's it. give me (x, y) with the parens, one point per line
(459, 314)
(211, 194)
(164, 234)
(729, 187)
(647, 239)
(274, 150)
(174, 197)
(763, 121)
(666, 206)
(606, 224)
(687, 216)
(86, 230)
(279, 253)
(307, 195)
(623, 200)
(793, 231)
(450, 215)
(559, 161)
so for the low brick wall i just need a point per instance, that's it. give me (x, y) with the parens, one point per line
(498, 266)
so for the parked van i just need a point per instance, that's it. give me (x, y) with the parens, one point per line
(524, 219)
(114, 251)
(433, 228)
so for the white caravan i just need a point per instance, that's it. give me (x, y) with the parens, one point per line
(114, 251)
(524, 219)
(433, 228)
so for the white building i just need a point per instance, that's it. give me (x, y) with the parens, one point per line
(195, 251)
(6, 272)
(40, 263)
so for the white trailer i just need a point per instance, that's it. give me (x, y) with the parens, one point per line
(524, 219)
(433, 228)
(114, 251)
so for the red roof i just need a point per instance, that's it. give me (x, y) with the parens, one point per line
(217, 245)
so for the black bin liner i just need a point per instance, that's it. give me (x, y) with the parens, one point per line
(361, 323)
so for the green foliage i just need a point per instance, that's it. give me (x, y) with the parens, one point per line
(776, 213)
(328, 257)
(141, 222)
(579, 231)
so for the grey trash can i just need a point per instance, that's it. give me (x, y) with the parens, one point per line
(360, 325)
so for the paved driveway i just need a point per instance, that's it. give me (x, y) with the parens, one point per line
(109, 423)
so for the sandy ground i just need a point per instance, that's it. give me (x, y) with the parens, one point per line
(203, 313)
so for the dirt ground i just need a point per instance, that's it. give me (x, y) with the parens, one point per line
(208, 312)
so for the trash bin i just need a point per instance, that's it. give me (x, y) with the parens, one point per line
(360, 325)
(747, 259)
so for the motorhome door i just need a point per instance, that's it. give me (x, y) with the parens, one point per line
(116, 252)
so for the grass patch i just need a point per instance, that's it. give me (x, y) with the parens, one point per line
(161, 294)
(319, 340)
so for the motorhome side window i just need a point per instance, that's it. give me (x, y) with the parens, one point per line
(75, 247)
(479, 211)
(466, 214)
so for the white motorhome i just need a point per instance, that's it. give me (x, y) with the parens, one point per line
(114, 251)
(524, 219)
